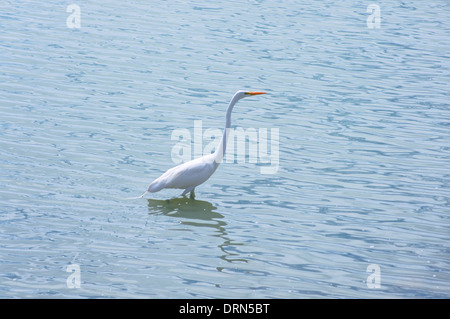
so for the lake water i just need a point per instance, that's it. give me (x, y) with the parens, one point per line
(358, 206)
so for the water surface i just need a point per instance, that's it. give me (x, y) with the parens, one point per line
(87, 115)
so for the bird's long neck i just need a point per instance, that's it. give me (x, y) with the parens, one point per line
(221, 148)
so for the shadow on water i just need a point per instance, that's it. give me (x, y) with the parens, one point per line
(198, 213)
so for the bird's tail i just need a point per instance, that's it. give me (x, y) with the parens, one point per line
(156, 186)
(138, 196)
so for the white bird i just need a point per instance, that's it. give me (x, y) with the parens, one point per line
(189, 175)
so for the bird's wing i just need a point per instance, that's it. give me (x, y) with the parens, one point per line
(188, 174)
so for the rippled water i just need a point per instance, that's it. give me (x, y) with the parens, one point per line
(87, 115)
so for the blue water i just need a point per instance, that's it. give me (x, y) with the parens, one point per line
(87, 115)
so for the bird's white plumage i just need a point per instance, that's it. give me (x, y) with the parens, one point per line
(189, 175)
(183, 176)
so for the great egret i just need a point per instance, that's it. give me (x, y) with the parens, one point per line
(189, 175)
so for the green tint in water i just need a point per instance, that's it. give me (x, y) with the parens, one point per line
(87, 115)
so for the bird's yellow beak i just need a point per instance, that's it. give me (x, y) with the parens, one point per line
(255, 93)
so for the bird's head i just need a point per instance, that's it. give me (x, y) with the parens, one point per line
(241, 94)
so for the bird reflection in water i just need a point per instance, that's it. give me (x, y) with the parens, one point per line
(197, 213)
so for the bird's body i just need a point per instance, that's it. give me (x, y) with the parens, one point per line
(189, 175)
